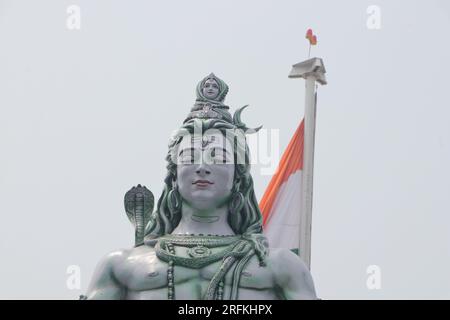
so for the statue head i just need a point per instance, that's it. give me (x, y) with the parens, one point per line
(212, 89)
(220, 159)
(208, 166)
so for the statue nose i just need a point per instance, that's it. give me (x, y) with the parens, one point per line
(201, 170)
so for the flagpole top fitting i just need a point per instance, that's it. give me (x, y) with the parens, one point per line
(310, 68)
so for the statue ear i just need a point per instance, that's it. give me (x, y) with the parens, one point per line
(174, 200)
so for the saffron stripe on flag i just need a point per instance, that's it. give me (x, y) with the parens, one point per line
(281, 202)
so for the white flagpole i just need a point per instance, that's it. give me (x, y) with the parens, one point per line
(312, 70)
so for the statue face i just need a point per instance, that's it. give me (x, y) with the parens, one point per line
(205, 171)
(210, 89)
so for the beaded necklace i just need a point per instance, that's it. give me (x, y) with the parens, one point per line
(201, 256)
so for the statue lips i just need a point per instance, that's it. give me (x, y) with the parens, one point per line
(202, 184)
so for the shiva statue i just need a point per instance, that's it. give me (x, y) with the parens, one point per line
(205, 239)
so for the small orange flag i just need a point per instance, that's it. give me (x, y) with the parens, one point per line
(311, 37)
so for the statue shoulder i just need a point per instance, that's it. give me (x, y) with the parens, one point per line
(117, 257)
(282, 258)
(104, 284)
(292, 274)
(113, 262)
(114, 258)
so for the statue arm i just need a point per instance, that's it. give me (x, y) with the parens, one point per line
(293, 277)
(104, 285)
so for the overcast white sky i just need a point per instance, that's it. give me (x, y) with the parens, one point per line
(86, 114)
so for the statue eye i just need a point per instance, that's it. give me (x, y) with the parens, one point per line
(218, 155)
(189, 156)
(188, 160)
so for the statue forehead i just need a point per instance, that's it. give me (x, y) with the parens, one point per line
(211, 80)
(207, 140)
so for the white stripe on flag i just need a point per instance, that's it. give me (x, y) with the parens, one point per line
(283, 225)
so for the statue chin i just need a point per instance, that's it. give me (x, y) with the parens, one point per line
(206, 203)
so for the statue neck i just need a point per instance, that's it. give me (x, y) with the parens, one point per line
(194, 221)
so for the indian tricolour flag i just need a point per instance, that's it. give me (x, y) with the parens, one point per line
(281, 204)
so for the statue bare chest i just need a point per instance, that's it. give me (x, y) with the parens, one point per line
(142, 270)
